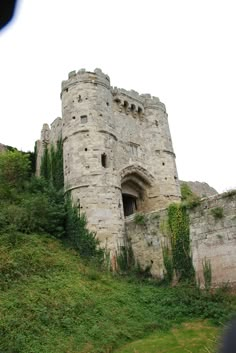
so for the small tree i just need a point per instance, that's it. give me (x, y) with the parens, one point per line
(45, 169)
(14, 169)
(77, 233)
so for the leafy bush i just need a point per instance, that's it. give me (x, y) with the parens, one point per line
(207, 273)
(125, 258)
(217, 212)
(188, 197)
(77, 233)
(139, 218)
(14, 169)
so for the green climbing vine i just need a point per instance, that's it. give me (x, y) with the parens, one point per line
(52, 165)
(178, 224)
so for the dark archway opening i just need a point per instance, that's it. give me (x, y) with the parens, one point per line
(129, 204)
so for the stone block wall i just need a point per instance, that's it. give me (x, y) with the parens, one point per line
(213, 238)
(147, 240)
(212, 235)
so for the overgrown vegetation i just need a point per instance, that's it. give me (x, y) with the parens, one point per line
(125, 258)
(188, 197)
(217, 212)
(176, 253)
(178, 223)
(52, 165)
(168, 263)
(140, 218)
(229, 193)
(51, 302)
(207, 274)
(37, 205)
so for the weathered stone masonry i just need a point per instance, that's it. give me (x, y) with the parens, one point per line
(118, 160)
(118, 153)
(213, 239)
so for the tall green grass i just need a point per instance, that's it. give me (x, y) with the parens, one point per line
(51, 302)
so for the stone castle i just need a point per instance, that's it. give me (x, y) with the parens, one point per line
(118, 153)
(119, 160)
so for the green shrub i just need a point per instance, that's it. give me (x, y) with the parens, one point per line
(139, 218)
(217, 212)
(178, 222)
(168, 263)
(207, 273)
(84, 241)
(125, 258)
(188, 197)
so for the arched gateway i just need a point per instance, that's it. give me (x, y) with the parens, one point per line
(135, 182)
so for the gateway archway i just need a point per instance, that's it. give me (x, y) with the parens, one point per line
(134, 184)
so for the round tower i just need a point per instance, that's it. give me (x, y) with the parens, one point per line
(89, 144)
(161, 154)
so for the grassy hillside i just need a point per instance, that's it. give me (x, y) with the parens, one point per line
(50, 302)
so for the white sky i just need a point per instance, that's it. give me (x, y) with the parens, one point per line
(181, 51)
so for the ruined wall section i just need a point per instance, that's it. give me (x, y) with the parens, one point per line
(213, 238)
(49, 136)
(147, 240)
(56, 131)
(41, 145)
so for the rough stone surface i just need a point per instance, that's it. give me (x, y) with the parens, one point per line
(115, 143)
(201, 189)
(147, 240)
(214, 238)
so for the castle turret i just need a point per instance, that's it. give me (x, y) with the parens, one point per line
(161, 154)
(89, 144)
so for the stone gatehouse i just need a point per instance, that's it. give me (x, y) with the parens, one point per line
(118, 153)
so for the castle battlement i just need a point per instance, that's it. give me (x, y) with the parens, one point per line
(96, 77)
(131, 99)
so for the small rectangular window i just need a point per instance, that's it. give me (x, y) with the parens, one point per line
(104, 160)
(83, 119)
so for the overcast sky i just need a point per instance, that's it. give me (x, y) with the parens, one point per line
(181, 51)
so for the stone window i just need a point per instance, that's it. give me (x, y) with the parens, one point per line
(104, 160)
(83, 119)
(140, 110)
(129, 204)
(133, 107)
(126, 105)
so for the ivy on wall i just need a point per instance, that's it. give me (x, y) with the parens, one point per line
(178, 224)
(52, 165)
